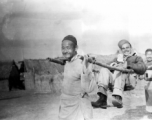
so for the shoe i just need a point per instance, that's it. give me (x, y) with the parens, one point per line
(117, 101)
(101, 102)
(128, 87)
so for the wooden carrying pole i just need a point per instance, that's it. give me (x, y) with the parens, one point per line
(97, 63)
(112, 67)
(61, 62)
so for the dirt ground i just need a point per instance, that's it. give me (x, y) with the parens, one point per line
(29, 105)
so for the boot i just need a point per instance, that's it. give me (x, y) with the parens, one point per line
(101, 102)
(128, 87)
(117, 101)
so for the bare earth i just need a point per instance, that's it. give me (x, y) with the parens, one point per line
(28, 105)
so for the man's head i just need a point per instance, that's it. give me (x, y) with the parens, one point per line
(69, 46)
(148, 54)
(125, 47)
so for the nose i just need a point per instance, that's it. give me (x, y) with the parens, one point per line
(149, 55)
(126, 49)
(64, 51)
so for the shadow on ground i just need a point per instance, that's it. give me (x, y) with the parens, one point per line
(134, 114)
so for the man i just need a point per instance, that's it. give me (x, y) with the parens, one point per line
(148, 54)
(77, 83)
(14, 77)
(128, 59)
(148, 78)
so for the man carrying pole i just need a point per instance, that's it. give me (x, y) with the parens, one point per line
(77, 83)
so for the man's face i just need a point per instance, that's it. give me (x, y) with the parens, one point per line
(149, 56)
(68, 49)
(126, 49)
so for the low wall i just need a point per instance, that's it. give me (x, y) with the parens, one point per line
(43, 83)
(4, 85)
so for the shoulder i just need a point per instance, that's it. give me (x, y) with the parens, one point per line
(77, 62)
(139, 58)
(135, 59)
(79, 58)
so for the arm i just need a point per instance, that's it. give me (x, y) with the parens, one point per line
(108, 59)
(87, 77)
(136, 63)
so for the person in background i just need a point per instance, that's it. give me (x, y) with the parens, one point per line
(148, 54)
(148, 78)
(14, 77)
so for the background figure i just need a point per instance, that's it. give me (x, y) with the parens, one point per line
(21, 71)
(14, 78)
(148, 78)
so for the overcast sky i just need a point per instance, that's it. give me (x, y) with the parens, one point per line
(32, 29)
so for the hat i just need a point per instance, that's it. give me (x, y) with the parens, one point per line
(123, 41)
(148, 50)
(70, 38)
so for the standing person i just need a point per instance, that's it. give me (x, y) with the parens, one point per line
(148, 54)
(128, 59)
(77, 83)
(14, 77)
(148, 78)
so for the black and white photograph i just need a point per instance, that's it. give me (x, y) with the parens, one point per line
(75, 59)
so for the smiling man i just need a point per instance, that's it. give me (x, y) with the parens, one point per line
(125, 47)
(148, 78)
(77, 83)
(148, 54)
(127, 58)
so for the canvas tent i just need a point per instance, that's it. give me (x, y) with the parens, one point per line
(42, 75)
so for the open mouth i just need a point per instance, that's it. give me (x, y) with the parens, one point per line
(127, 52)
(66, 55)
(149, 58)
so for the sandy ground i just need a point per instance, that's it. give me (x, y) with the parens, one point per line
(28, 105)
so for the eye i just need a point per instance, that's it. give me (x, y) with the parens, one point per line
(63, 48)
(123, 48)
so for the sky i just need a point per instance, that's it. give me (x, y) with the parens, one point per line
(34, 29)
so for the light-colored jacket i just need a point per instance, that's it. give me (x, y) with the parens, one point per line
(77, 83)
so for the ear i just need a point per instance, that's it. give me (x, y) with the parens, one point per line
(76, 48)
(119, 51)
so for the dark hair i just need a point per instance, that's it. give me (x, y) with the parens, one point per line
(148, 50)
(71, 38)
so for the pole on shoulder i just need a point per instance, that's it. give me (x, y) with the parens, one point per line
(62, 61)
